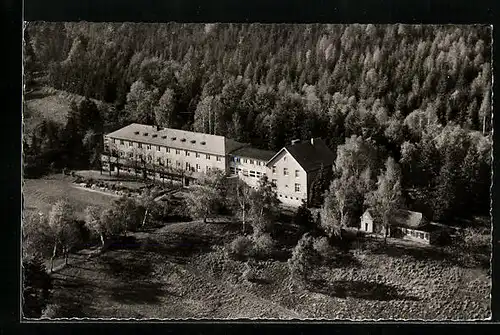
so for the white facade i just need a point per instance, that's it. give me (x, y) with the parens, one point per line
(189, 154)
(250, 170)
(289, 177)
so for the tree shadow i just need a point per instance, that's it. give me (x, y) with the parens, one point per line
(358, 289)
(131, 268)
(132, 293)
(73, 297)
(182, 246)
(453, 254)
(344, 260)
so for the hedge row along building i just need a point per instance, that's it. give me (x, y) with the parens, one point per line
(165, 153)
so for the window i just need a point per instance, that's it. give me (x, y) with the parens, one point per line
(219, 158)
(238, 169)
(197, 155)
(168, 161)
(114, 141)
(207, 156)
(131, 154)
(139, 145)
(208, 168)
(122, 142)
(297, 187)
(258, 174)
(285, 171)
(177, 152)
(158, 148)
(258, 163)
(296, 173)
(121, 153)
(252, 173)
(187, 165)
(130, 144)
(167, 149)
(186, 152)
(274, 182)
(245, 161)
(366, 226)
(178, 164)
(251, 161)
(274, 169)
(426, 236)
(245, 172)
(149, 146)
(197, 167)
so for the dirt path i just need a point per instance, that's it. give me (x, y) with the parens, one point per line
(96, 191)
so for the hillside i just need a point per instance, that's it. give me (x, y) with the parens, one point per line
(176, 273)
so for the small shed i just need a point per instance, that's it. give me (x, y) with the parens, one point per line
(405, 224)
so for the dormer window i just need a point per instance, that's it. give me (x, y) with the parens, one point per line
(136, 132)
(155, 135)
(145, 134)
(183, 140)
(164, 137)
(193, 141)
(174, 138)
(203, 142)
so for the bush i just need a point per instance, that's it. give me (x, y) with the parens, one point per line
(249, 274)
(263, 246)
(37, 287)
(51, 311)
(300, 262)
(241, 247)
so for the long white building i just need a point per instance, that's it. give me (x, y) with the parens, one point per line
(165, 153)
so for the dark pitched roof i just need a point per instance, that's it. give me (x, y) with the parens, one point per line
(249, 152)
(176, 138)
(311, 156)
(407, 219)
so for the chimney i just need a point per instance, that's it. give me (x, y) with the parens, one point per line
(295, 141)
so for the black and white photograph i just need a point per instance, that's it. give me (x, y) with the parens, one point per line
(256, 171)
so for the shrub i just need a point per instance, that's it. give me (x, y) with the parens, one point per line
(249, 274)
(37, 286)
(300, 262)
(241, 247)
(263, 246)
(51, 311)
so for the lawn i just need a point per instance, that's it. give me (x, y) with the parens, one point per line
(41, 194)
(175, 272)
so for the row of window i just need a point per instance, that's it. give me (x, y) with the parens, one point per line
(417, 234)
(246, 173)
(167, 149)
(248, 161)
(286, 196)
(285, 171)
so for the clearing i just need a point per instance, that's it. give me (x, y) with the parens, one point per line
(41, 194)
(176, 273)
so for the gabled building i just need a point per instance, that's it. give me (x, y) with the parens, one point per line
(294, 167)
(165, 153)
(404, 224)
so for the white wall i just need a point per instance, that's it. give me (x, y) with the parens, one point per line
(285, 184)
(245, 166)
(178, 157)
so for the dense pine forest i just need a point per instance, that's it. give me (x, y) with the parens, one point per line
(418, 94)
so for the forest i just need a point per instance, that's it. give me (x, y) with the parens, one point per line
(410, 102)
